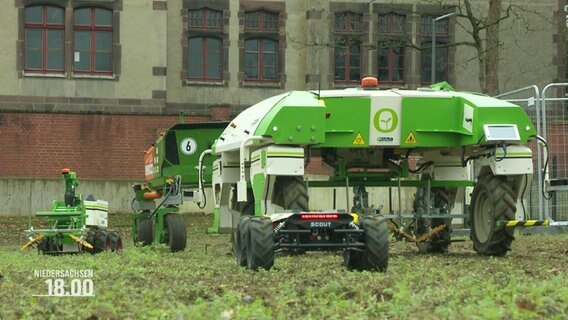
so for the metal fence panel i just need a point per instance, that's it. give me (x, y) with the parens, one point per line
(555, 129)
(529, 99)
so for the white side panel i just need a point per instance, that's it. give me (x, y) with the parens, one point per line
(278, 160)
(451, 172)
(385, 120)
(467, 122)
(285, 166)
(512, 166)
(516, 160)
(97, 213)
(285, 161)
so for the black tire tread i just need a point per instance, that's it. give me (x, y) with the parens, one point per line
(503, 198)
(354, 260)
(45, 245)
(377, 242)
(102, 241)
(241, 240)
(260, 251)
(115, 241)
(177, 234)
(145, 231)
(291, 193)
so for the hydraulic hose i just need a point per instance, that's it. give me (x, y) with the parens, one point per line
(200, 177)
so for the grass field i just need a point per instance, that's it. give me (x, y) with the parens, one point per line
(203, 282)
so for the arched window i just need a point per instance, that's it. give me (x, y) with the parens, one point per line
(261, 20)
(205, 46)
(205, 18)
(261, 51)
(348, 22)
(348, 27)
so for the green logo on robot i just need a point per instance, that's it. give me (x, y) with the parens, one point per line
(385, 120)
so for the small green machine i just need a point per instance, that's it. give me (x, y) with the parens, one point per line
(171, 170)
(74, 224)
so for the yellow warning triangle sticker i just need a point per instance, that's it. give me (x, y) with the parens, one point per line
(411, 139)
(359, 139)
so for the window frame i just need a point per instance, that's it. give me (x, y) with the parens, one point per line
(390, 37)
(426, 28)
(260, 61)
(390, 68)
(262, 33)
(390, 27)
(205, 21)
(204, 56)
(93, 28)
(68, 6)
(204, 31)
(44, 27)
(347, 68)
(348, 16)
(262, 14)
(346, 38)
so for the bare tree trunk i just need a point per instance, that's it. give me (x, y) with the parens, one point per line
(475, 30)
(492, 46)
(488, 50)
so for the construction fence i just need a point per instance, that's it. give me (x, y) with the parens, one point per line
(547, 197)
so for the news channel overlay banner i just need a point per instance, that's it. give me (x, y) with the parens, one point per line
(66, 282)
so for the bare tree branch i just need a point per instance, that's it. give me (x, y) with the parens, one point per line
(483, 28)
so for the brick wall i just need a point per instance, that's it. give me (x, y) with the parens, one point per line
(38, 145)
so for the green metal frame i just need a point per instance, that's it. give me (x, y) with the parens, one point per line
(158, 214)
(343, 121)
(172, 162)
(160, 232)
(64, 220)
